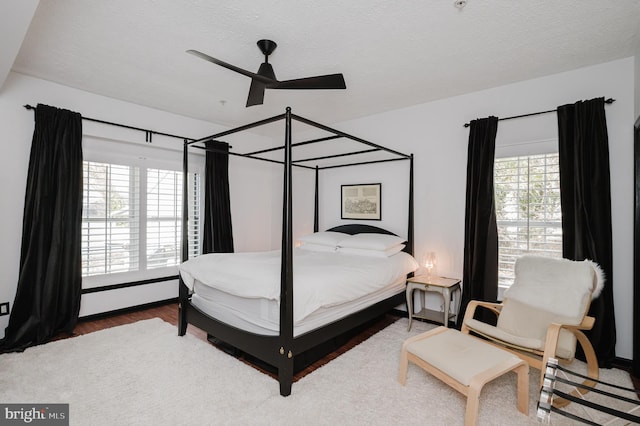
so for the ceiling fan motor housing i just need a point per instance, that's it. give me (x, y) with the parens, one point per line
(267, 46)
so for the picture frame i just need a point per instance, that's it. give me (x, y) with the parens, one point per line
(361, 201)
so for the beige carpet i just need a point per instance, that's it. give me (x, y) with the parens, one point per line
(144, 374)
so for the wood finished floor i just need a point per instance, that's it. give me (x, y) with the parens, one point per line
(169, 313)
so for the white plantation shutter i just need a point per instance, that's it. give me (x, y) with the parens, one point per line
(110, 224)
(164, 206)
(164, 217)
(132, 218)
(195, 214)
(527, 191)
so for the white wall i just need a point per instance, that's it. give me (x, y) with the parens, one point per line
(250, 192)
(434, 132)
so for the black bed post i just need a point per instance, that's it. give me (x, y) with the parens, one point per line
(183, 291)
(410, 225)
(285, 367)
(315, 206)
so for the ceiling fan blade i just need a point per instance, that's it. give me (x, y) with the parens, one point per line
(264, 80)
(330, 81)
(256, 93)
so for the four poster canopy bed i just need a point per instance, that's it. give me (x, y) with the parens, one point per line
(249, 301)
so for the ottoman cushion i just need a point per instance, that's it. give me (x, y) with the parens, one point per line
(458, 355)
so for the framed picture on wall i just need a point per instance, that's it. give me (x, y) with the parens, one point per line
(361, 201)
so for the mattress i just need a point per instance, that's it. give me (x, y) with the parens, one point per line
(262, 316)
(243, 289)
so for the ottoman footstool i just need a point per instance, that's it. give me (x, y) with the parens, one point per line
(465, 363)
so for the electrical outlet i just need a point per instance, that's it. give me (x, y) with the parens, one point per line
(4, 308)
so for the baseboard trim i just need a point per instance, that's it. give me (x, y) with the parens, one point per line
(622, 363)
(128, 309)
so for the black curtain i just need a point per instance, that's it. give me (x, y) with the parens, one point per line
(218, 233)
(480, 267)
(585, 195)
(47, 299)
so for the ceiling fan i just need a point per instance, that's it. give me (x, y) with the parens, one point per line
(265, 78)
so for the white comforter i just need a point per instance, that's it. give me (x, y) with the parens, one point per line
(320, 279)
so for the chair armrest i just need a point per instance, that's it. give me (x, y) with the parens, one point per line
(493, 307)
(586, 324)
(553, 333)
(471, 310)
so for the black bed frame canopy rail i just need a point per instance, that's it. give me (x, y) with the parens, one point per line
(347, 136)
(346, 154)
(361, 163)
(249, 156)
(295, 163)
(608, 101)
(336, 134)
(237, 129)
(326, 138)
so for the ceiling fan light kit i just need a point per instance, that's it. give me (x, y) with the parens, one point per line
(265, 78)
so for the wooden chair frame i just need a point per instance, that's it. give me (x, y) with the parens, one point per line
(536, 358)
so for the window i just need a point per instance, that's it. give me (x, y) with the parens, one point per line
(527, 191)
(132, 218)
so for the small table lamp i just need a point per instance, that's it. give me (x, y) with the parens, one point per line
(429, 263)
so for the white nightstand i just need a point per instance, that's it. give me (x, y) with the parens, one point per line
(447, 287)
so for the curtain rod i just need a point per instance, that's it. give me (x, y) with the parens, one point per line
(608, 101)
(148, 133)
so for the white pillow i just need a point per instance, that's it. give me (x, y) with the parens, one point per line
(326, 238)
(372, 253)
(318, 247)
(380, 242)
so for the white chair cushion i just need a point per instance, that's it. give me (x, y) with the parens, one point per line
(520, 319)
(560, 286)
(498, 334)
(525, 326)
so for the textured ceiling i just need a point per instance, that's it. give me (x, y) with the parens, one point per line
(393, 54)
